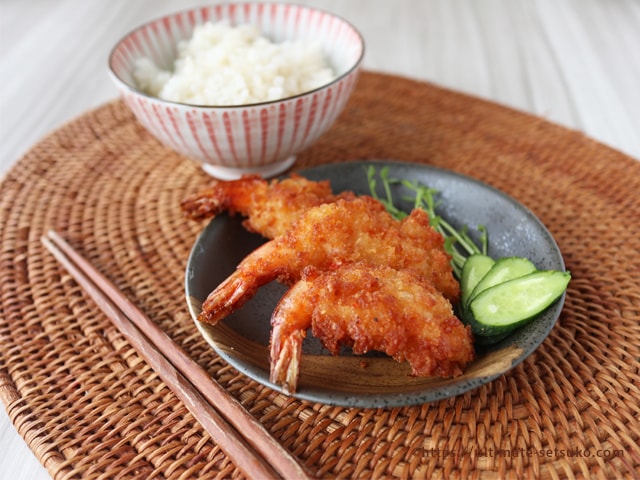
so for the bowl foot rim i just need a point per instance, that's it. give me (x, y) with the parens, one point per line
(231, 173)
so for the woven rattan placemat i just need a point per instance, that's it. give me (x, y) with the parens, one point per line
(90, 407)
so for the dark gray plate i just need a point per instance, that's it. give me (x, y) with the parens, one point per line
(375, 380)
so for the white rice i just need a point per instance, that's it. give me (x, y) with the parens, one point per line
(224, 65)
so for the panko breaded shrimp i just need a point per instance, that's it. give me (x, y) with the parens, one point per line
(368, 308)
(270, 207)
(357, 230)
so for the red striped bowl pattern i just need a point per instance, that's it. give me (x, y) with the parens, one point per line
(245, 138)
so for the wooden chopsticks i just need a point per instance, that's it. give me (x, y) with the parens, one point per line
(231, 426)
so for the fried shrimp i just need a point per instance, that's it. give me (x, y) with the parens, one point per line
(368, 308)
(270, 207)
(357, 230)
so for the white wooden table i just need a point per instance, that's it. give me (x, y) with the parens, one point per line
(574, 62)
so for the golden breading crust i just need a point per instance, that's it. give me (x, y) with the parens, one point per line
(270, 207)
(369, 308)
(358, 230)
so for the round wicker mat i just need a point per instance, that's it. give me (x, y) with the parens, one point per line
(90, 407)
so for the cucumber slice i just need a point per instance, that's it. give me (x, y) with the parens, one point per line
(511, 304)
(473, 270)
(503, 270)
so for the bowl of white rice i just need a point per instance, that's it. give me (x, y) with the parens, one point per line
(241, 88)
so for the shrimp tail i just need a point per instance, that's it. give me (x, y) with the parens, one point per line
(260, 267)
(233, 196)
(285, 363)
(229, 296)
(289, 323)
